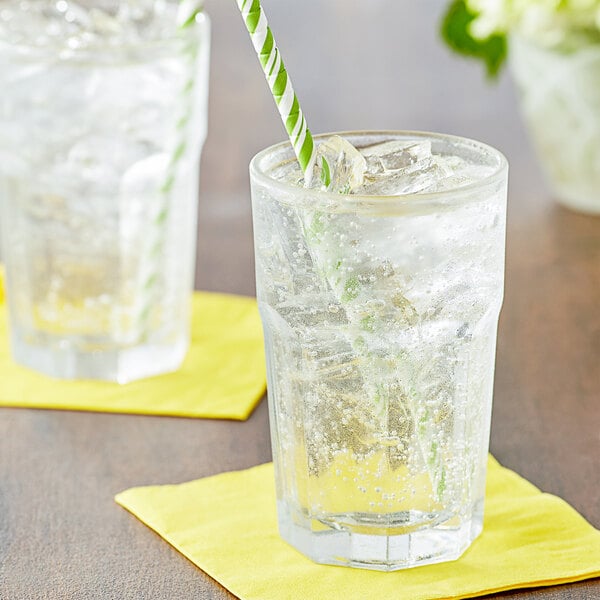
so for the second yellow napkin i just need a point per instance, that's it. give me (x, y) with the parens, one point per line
(227, 526)
(223, 376)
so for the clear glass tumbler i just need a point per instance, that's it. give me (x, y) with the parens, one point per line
(102, 120)
(380, 316)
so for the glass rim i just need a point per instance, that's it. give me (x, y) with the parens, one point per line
(258, 174)
(25, 49)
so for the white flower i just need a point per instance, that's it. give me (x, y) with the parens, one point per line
(546, 20)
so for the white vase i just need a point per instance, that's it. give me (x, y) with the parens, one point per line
(560, 101)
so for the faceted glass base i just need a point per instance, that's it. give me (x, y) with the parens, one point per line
(341, 546)
(121, 365)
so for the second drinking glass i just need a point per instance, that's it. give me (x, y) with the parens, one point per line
(102, 120)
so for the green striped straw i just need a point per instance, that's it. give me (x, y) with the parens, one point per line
(155, 241)
(280, 84)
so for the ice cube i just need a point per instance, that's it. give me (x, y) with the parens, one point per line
(409, 180)
(374, 165)
(74, 24)
(77, 15)
(104, 23)
(94, 150)
(412, 170)
(145, 176)
(456, 172)
(339, 166)
(140, 195)
(398, 167)
(94, 163)
(394, 155)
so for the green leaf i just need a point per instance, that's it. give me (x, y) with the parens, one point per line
(441, 484)
(432, 455)
(325, 172)
(457, 34)
(316, 228)
(368, 323)
(351, 289)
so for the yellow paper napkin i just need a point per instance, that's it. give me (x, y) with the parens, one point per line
(227, 526)
(223, 375)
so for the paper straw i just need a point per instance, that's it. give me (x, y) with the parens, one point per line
(280, 84)
(155, 241)
(187, 11)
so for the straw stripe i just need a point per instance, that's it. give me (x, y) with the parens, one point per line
(271, 60)
(297, 126)
(187, 11)
(280, 84)
(286, 103)
(275, 66)
(267, 48)
(260, 34)
(154, 242)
